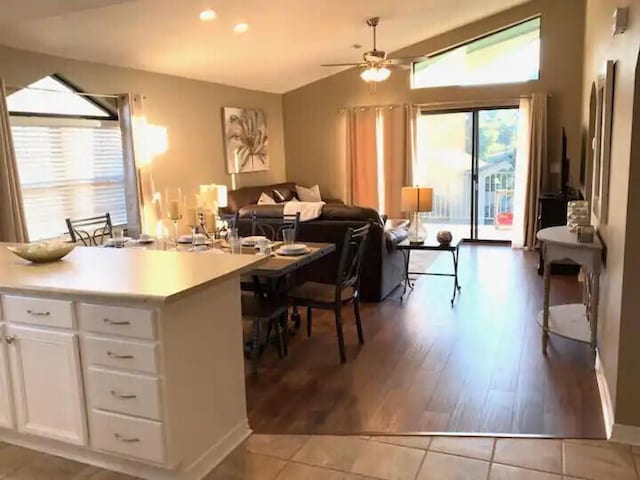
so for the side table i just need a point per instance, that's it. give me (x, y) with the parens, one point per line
(431, 244)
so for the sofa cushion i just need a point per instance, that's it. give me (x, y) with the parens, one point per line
(266, 210)
(393, 237)
(236, 199)
(338, 211)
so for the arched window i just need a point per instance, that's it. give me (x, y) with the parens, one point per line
(69, 154)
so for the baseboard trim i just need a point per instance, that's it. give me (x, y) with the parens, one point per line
(196, 471)
(605, 396)
(627, 434)
(218, 452)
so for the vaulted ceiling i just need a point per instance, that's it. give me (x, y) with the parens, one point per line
(286, 42)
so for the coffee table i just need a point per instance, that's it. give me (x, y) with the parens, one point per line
(431, 244)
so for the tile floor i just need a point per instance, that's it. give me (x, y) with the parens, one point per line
(295, 457)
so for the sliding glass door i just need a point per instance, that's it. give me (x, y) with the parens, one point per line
(468, 158)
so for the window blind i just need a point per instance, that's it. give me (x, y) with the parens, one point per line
(70, 168)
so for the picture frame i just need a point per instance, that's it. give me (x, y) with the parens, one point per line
(601, 142)
(245, 139)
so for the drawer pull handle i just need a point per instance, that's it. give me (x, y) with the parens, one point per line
(126, 439)
(119, 357)
(9, 339)
(124, 396)
(115, 322)
(38, 314)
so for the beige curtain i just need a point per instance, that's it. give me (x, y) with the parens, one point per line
(398, 154)
(138, 178)
(13, 226)
(532, 162)
(382, 146)
(363, 157)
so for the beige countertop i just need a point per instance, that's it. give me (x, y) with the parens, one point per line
(126, 273)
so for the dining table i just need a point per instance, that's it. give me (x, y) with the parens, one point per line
(276, 268)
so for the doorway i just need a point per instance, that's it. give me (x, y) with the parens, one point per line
(468, 157)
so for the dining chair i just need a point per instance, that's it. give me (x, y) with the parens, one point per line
(346, 289)
(269, 311)
(90, 231)
(231, 219)
(273, 226)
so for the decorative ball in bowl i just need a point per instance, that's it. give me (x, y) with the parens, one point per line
(444, 237)
(42, 252)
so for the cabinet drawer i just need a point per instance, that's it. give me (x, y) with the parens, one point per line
(38, 311)
(124, 393)
(133, 437)
(121, 354)
(129, 322)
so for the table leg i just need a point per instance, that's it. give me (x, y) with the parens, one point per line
(407, 280)
(545, 311)
(593, 303)
(456, 286)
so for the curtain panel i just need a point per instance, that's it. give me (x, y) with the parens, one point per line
(382, 150)
(13, 226)
(138, 177)
(532, 168)
(363, 157)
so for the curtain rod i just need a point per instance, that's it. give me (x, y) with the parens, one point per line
(466, 103)
(363, 107)
(81, 94)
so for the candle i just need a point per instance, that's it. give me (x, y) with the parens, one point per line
(210, 221)
(173, 210)
(192, 215)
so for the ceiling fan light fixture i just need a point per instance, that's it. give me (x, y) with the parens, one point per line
(375, 74)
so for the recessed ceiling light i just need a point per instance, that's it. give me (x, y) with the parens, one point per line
(208, 15)
(241, 27)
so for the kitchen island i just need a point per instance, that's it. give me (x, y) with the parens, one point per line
(127, 359)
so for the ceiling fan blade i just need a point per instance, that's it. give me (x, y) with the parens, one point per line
(398, 66)
(405, 60)
(341, 64)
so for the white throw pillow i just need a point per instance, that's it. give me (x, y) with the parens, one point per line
(266, 200)
(309, 194)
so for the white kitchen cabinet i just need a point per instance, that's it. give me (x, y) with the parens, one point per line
(6, 411)
(47, 383)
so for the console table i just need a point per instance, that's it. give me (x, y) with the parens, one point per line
(558, 244)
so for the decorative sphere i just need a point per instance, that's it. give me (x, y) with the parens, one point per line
(444, 237)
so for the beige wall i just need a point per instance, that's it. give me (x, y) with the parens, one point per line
(189, 109)
(312, 121)
(619, 332)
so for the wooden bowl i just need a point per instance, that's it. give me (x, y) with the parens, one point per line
(42, 252)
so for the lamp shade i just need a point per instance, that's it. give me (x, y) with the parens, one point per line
(416, 199)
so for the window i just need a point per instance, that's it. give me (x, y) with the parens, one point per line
(68, 166)
(508, 56)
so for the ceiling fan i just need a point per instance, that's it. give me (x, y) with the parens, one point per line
(376, 65)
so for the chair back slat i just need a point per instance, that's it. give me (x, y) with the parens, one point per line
(79, 232)
(351, 258)
(272, 227)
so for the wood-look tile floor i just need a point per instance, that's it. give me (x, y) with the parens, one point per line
(300, 457)
(428, 367)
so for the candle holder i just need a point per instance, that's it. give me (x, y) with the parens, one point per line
(174, 205)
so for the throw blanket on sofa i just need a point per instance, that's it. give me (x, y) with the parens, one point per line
(308, 210)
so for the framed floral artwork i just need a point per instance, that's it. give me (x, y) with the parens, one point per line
(245, 139)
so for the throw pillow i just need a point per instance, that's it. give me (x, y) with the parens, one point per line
(265, 199)
(309, 194)
(279, 197)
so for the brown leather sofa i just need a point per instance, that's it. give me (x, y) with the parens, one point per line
(383, 269)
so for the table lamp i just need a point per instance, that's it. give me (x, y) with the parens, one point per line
(416, 200)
